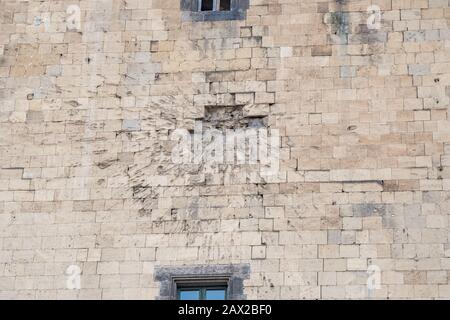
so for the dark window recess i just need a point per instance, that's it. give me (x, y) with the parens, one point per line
(215, 5)
(225, 5)
(214, 10)
(207, 5)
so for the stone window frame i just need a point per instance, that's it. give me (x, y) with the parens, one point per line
(191, 11)
(233, 275)
(201, 285)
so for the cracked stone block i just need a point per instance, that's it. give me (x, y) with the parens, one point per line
(226, 117)
(256, 110)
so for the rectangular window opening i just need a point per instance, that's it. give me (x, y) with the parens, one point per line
(207, 5)
(201, 289)
(202, 293)
(225, 5)
(215, 5)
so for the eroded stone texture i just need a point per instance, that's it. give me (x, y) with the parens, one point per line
(87, 179)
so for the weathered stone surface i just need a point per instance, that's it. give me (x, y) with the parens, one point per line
(89, 107)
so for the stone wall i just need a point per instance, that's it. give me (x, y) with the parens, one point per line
(91, 91)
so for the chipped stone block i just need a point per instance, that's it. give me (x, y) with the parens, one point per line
(256, 110)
